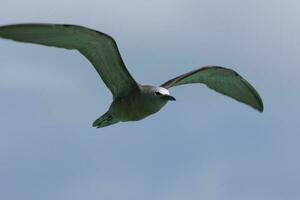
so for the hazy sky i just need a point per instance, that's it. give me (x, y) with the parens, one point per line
(203, 146)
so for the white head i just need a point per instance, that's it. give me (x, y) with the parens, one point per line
(153, 98)
(163, 93)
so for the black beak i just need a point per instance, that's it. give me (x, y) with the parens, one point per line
(168, 98)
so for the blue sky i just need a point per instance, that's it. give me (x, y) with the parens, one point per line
(203, 146)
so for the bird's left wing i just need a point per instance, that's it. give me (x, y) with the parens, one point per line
(100, 49)
(222, 80)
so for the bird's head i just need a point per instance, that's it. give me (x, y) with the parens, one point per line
(163, 93)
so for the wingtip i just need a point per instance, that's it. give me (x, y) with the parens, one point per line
(261, 104)
(261, 110)
(95, 125)
(260, 107)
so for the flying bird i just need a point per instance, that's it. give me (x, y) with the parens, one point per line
(131, 101)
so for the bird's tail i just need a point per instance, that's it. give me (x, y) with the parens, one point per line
(105, 120)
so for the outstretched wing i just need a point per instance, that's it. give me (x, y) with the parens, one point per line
(222, 80)
(100, 49)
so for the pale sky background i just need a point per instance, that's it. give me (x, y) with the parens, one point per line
(203, 146)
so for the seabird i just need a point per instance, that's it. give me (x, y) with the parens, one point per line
(131, 100)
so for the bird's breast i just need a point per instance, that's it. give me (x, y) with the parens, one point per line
(134, 108)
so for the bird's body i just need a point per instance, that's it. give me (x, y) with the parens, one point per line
(131, 100)
(138, 105)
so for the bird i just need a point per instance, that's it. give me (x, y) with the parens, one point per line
(132, 101)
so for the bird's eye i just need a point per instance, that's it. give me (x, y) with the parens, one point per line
(157, 93)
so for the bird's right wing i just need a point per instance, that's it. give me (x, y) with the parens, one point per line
(222, 80)
(100, 49)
